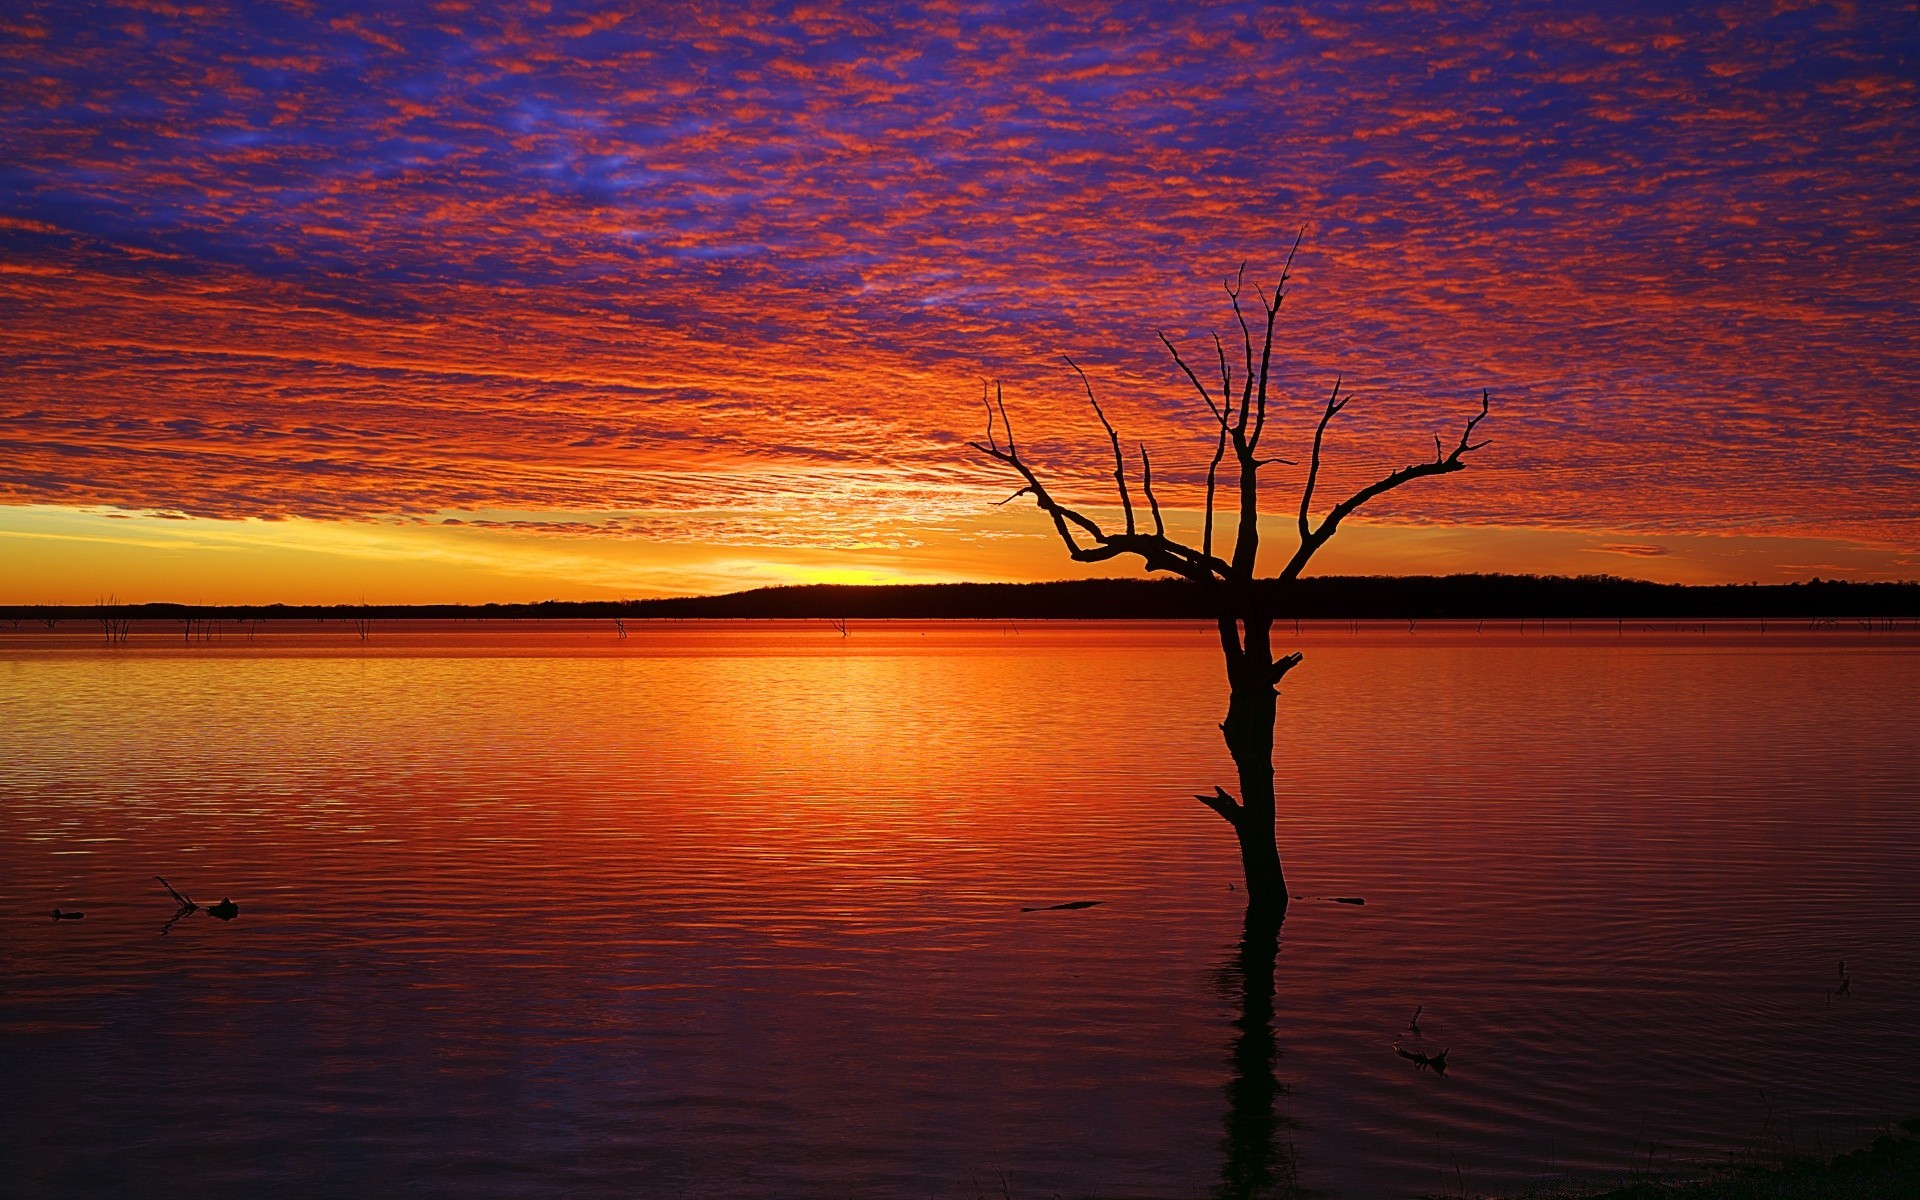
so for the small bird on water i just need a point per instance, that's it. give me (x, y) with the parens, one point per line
(67, 916)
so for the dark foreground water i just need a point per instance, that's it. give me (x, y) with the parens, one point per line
(736, 910)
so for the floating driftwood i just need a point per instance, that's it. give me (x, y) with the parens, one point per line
(186, 905)
(1068, 904)
(1422, 1060)
(226, 910)
(67, 916)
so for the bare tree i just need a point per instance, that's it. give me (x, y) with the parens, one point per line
(1242, 602)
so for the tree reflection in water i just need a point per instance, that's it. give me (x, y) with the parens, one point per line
(1255, 1161)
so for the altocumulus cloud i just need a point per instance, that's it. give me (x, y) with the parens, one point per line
(740, 269)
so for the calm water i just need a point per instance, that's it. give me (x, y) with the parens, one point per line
(735, 910)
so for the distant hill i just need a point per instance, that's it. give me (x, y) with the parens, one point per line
(1345, 597)
(1341, 597)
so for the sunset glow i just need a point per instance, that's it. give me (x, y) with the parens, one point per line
(323, 303)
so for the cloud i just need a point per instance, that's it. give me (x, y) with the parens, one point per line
(736, 273)
(1633, 549)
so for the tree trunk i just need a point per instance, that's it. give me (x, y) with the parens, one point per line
(1251, 711)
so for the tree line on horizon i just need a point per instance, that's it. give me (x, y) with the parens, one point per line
(1329, 597)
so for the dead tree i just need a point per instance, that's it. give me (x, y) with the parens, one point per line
(1241, 601)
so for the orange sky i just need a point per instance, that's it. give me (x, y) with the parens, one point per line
(577, 303)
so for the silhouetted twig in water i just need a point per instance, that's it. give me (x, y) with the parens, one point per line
(839, 623)
(179, 899)
(67, 916)
(1437, 1061)
(226, 910)
(1413, 1026)
(1068, 904)
(186, 907)
(1846, 984)
(620, 627)
(112, 622)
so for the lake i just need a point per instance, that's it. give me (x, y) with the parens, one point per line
(735, 908)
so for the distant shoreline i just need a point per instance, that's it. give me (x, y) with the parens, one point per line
(1449, 597)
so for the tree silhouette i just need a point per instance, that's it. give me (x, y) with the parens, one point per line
(1243, 604)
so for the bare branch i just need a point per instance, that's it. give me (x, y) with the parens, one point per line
(1119, 463)
(1156, 551)
(1225, 805)
(1334, 405)
(1286, 268)
(1266, 346)
(1010, 456)
(1282, 665)
(1455, 460)
(1146, 485)
(1246, 342)
(1226, 373)
(1213, 472)
(1218, 414)
(1000, 398)
(1466, 447)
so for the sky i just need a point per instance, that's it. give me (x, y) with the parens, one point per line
(460, 302)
